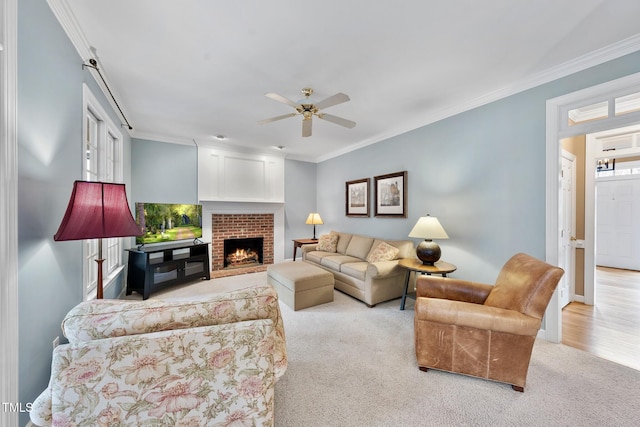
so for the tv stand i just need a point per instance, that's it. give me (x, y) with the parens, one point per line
(156, 267)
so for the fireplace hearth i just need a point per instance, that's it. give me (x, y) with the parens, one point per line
(243, 252)
(234, 227)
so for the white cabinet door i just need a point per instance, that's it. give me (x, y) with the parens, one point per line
(618, 223)
(239, 177)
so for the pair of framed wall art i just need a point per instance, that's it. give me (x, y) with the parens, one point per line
(390, 196)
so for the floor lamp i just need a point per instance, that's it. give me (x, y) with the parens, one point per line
(97, 210)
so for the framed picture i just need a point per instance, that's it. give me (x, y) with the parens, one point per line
(357, 197)
(391, 195)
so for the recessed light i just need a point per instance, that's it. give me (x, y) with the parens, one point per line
(221, 137)
(279, 147)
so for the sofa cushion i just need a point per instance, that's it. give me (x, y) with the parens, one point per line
(382, 252)
(328, 242)
(357, 270)
(335, 261)
(359, 246)
(100, 319)
(316, 256)
(343, 241)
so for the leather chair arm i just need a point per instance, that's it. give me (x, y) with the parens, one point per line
(475, 316)
(452, 289)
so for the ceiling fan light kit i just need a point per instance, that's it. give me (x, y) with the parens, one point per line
(308, 109)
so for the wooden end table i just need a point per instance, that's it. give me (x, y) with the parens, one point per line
(299, 242)
(414, 264)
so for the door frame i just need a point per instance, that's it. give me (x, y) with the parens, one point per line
(9, 217)
(557, 128)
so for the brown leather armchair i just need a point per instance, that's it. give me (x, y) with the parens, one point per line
(482, 330)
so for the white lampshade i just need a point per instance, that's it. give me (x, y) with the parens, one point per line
(314, 218)
(429, 228)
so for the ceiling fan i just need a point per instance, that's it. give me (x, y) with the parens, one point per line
(308, 109)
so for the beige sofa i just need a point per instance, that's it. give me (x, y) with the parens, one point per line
(356, 265)
(133, 363)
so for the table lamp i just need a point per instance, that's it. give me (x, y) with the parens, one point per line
(428, 228)
(314, 218)
(97, 210)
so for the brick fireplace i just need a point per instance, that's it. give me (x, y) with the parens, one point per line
(240, 226)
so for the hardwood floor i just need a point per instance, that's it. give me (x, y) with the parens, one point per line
(611, 328)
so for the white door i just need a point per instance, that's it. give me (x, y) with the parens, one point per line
(566, 286)
(617, 223)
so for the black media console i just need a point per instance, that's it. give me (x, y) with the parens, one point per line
(159, 266)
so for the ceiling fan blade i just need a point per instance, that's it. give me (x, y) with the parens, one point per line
(273, 119)
(306, 127)
(336, 99)
(280, 98)
(337, 120)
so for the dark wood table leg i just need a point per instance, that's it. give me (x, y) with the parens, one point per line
(406, 287)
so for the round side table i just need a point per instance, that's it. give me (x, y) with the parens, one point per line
(415, 265)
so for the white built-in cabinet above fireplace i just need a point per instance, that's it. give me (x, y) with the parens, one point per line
(239, 177)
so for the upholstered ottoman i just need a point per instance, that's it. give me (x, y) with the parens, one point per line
(300, 284)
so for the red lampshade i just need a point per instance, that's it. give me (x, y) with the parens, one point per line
(97, 210)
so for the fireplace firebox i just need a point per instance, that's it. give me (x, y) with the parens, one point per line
(244, 252)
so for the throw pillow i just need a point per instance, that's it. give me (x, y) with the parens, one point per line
(383, 252)
(328, 243)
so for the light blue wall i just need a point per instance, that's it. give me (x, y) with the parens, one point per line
(482, 173)
(164, 173)
(50, 78)
(300, 197)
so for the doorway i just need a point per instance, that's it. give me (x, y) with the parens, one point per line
(618, 210)
(606, 97)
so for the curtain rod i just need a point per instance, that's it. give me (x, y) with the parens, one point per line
(94, 64)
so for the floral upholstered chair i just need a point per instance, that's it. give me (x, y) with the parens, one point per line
(190, 363)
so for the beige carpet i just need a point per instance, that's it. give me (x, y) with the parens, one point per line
(350, 365)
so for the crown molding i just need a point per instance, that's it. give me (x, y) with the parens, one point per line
(592, 59)
(201, 142)
(69, 23)
(67, 19)
(65, 16)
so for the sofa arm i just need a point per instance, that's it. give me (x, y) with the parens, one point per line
(380, 269)
(202, 373)
(100, 319)
(475, 316)
(308, 248)
(40, 413)
(452, 289)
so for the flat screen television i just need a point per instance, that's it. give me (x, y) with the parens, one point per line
(165, 222)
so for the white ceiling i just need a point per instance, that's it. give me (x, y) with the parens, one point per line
(185, 71)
